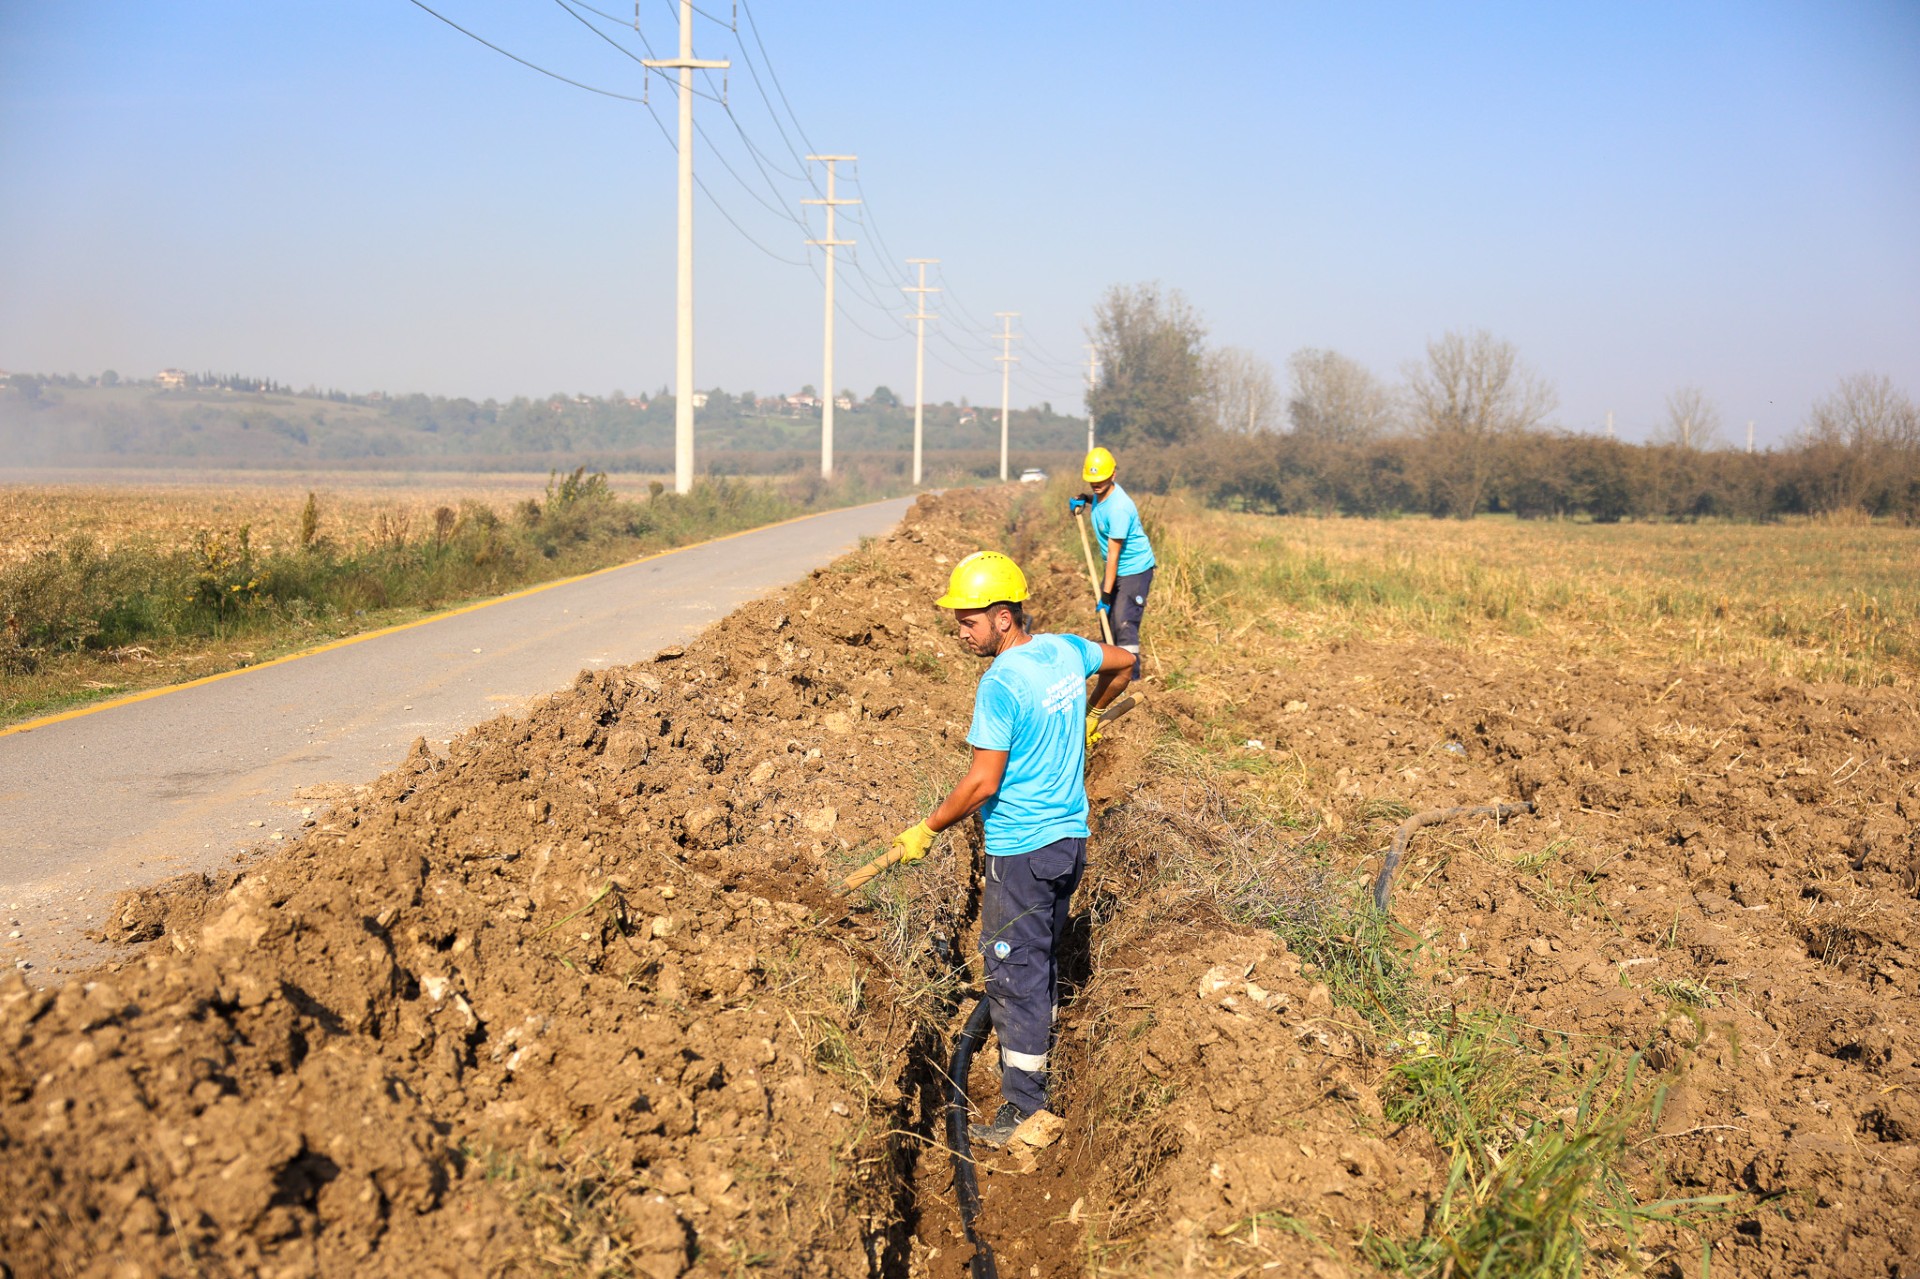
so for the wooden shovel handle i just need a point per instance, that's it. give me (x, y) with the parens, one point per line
(871, 869)
(1093, 578)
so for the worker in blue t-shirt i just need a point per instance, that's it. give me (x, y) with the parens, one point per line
(1129, 573)
(1031, 722)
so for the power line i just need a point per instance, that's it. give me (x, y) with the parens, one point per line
(780, 210)
(886, 308)
(568, 6)
(605, 93)
(863, 281)
(721, 209)
(762, 159)
(977, 368)
(759, 157)
(774, 75)
(1057, 365)
(626, 52)
(611, 17)
(753, 71)
(675, 6)
(873, 224)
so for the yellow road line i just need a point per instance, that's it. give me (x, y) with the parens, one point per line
(163, 690)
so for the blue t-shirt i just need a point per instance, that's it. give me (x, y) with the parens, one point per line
(1032, 704)
(1116, 518)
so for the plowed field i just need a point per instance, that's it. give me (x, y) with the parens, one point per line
(577, 995)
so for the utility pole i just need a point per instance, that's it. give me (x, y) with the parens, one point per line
(919, 317)
(1609, 423)
(1749, 435)
(1093, 380)
(829, 244)
(686, 64)
(1007, 360)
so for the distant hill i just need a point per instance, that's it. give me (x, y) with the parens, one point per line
(226, 422)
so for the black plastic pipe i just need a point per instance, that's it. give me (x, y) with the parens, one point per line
(966, 1183)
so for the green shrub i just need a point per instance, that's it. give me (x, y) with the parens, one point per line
(79, 597)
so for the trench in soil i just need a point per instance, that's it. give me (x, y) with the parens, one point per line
(584, 982)
(1025, 1205)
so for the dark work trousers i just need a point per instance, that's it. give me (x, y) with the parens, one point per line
(1129, 604)
(1023, 916)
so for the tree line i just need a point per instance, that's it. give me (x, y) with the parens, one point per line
(68, 419)
(1468, 430)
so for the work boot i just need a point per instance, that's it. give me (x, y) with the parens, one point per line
(1000, 1131)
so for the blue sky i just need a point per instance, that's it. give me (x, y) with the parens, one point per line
(353, 194)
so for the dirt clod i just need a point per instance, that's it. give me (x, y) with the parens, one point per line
(577, 994)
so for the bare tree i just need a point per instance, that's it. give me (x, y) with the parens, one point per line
(1337, 399)
(1241, 395)
(1866, 434)
(1867, 411)
(1469, 399)
(1693, 421)
(1153, 377)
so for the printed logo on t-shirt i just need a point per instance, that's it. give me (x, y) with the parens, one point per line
(1062, 693)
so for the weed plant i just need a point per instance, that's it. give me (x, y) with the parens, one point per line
(86, 616)
(1538, 1147)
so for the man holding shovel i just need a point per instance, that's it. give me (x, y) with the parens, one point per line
(1030, 723)
(1123, 587)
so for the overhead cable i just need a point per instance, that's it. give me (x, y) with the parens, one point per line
(605, 93)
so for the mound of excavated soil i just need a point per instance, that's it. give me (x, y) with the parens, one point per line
(551, 999)
(577, 996)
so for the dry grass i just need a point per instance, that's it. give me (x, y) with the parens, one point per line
(41, 510)
(107, 587)
(1813, 600)
(1538, 1179)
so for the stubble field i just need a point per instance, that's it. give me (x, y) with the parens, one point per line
(42, 510)
(583, 995)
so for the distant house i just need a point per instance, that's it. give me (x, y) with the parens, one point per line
(802, 401)
(635, 402)
(843, 401)
(170, 380)
(583, 399)
(699, 399)
(968, 417)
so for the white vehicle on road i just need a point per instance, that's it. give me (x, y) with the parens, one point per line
(1033, 475)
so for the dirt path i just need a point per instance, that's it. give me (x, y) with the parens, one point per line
(133, 793)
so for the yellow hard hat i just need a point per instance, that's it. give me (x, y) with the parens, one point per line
(1099, 466)
(983, 578)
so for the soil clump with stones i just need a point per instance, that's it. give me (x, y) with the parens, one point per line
(577, 995)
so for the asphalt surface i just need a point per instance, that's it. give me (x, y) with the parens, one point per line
(133, 794)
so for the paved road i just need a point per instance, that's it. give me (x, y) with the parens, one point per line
(139, 792)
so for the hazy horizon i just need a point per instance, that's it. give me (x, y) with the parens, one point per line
(357, 196)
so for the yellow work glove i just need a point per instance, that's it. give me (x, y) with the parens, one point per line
(913, 842)
(1093, 728)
